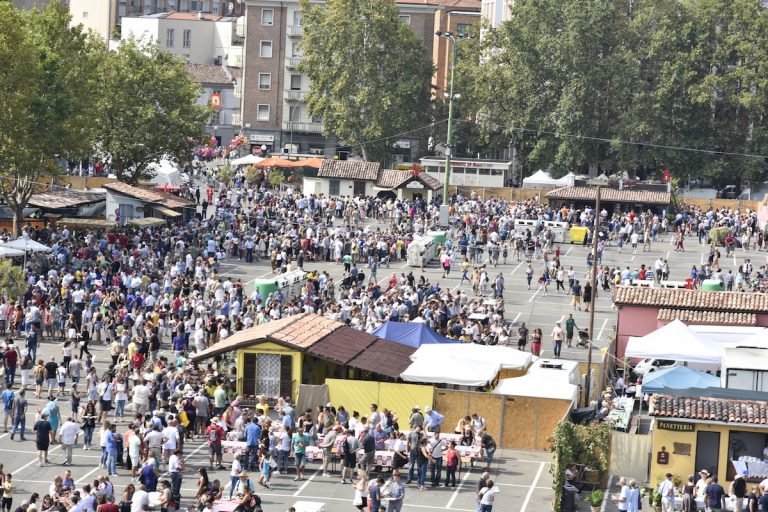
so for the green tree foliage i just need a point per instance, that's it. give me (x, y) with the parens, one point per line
(568, 82)
(369, 72)
(146, 109)
(12, 282)
(47, 85)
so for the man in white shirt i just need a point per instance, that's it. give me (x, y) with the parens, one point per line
(622, 499)
(141, 397)
(68, 433)
(170, 442)
(140, 500)
(667, 492)
(175, 466)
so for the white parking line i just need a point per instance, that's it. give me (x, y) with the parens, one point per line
(25, 466)
(532, 487)
(517, 267)
(458, 488)
(534, 294)
(600, 334)
(517, 317)
(85, 476)
(304, 486)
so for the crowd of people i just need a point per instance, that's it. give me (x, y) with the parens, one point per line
(156, 296)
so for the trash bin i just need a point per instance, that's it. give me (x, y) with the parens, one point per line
(578, 234)
(712, 285)
(568, 503)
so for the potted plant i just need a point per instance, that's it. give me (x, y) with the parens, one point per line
(595, 499)
(654, 500)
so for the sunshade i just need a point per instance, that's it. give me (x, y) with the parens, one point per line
(410, 333)
(275, 162)
(675, 341)
(678, 377)
(451, 371)
(247, 160)
(10, 253)
(506, 358)
(27, 245)
(538, 385)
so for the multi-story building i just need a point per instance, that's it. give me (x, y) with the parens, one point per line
(214, 52)
(105, 16)
(221, 91)
(456, 16)
(198, 37)
(496, 12)
(34, 4)
(274, 108)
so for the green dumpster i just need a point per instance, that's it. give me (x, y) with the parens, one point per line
(578, 234)
(712, 285)
(438, 236)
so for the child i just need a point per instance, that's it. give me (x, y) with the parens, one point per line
(265, 469)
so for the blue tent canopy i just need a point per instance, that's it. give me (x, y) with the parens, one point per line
(678, 377)
(412, 334)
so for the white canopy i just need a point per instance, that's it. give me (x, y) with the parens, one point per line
(675, 341)
(538, 385)
(541, 179)
(166, 173)
(450, 370)
(26, 245)
(507, 358)
(757, 340)
(10, 253)
(247, 160)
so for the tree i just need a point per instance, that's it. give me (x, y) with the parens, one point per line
(12, 282)
(369, 73)
(47, 84)
(146, 110)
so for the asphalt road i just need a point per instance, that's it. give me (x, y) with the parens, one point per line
(525, 483)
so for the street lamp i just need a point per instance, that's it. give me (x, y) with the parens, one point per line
(455, 38)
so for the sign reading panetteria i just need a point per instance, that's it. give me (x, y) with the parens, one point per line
(673, 425)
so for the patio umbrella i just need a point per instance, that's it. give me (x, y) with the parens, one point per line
(26, 245)
(10, 253)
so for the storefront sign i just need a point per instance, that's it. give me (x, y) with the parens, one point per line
(672, 425)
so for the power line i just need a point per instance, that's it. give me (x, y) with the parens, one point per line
(630, 142)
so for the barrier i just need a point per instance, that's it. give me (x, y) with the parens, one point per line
(559, 229)
(358, 395)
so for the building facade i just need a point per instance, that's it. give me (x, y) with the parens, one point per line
(106, 16)
(220, 86)
(456, 16)
(274, 108)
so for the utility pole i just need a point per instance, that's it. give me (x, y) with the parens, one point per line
(593, 282)
(455, 39)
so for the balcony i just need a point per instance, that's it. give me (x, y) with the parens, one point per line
(295, 95)
(302, 127)
(293, 62)
(295, 31)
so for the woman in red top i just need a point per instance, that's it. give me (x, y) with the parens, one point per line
(452, 462)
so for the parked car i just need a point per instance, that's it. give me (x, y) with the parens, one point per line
(651, 365)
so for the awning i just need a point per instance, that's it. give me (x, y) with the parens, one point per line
(167, 211)
(147, 222)
(87, 223)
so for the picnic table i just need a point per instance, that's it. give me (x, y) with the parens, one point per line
(621, 413)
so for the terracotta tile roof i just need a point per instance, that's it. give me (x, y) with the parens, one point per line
(679, 298)
(172, 200)
(710, 409)
(349, 170)
(611, 195)
(384, 357)
(343, 346)
(306, 330)
(150, 196)
(396, 178)
(690, 316)
(246, 337)
(64, 198)
(209, 74)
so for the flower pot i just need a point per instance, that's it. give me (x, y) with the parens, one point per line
(594, 509)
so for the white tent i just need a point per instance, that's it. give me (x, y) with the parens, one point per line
(757, 340)
(10, 253)
(675, 341)
(507, 357)
(26, 245)
(540, 179)
(538, 385)
(247, 160)
(451, 370)
(568, 180)
(166, 173)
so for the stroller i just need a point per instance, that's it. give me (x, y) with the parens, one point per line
(349, 281)
(583, 338)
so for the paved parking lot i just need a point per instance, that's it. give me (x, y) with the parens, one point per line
(523, 476)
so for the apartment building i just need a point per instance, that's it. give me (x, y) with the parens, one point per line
(456, 16)
(34, 4)
(221, 91)
(496, 12)
(106, 16)
(274, 108)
